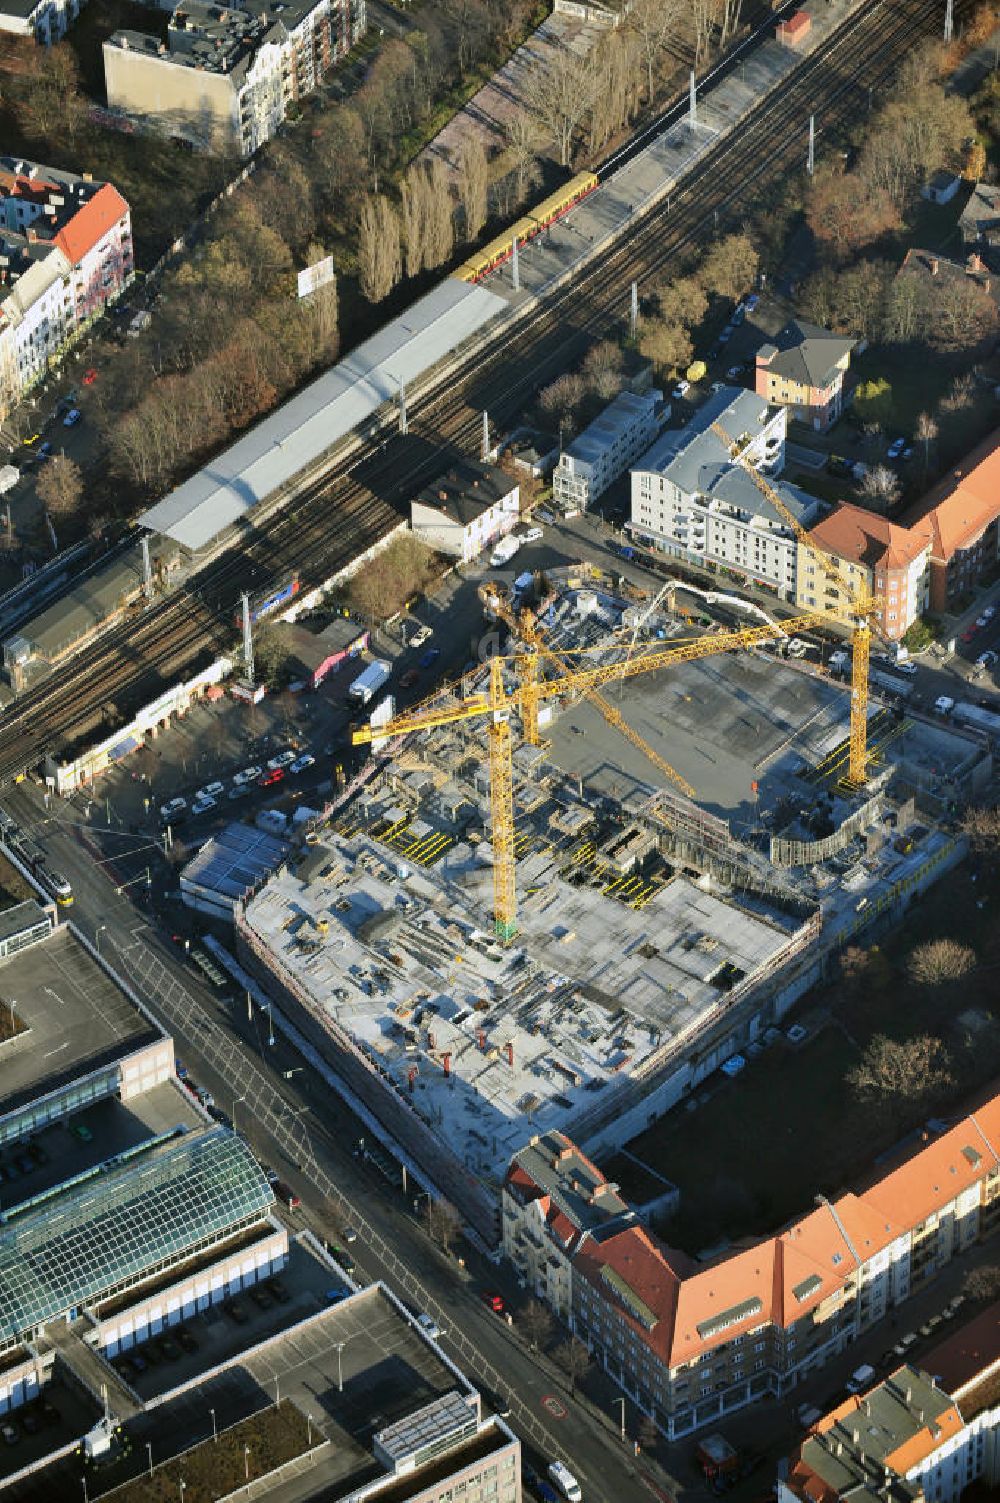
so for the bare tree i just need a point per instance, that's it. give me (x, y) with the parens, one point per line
(940, 960)
(982, 1283)
(891, 1073)
(536, 1323)
(981, 828)
(574, 1359)
(880, 488)
(523, 139)
(440, 222)
(444, 1224)
(378, 248)
(60, 486)
(472, 184)
(560, 96)
(926, 433)
(729, 20)
(653, 23)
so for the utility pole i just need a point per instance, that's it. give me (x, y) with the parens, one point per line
(949, 20)
(811, 159)
(515, 265)
(402, 406)
(147, 572)
(693, 101)
(486, 437)
(634, 313)
(247, 639)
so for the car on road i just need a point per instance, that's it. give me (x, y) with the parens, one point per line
(11, 1434)
(896, 448)
(350, 1235)
(203, 805)
(493, 1301)
(429, 1326)
(430, 657)
(301, 763)
(727, 334)
(72, 417)
(988, 612)
(733, 372)
(409, 678)
(89, 376)
(421, 635)
(172, 808)
(286, 1194)
(211, 790)
(248, 775)
(752, 302)
(45, 451)
(335, 1294)
(969, 633)
(983, 620)
(282, 760)
(681, 390)
(533, 535)
(241, 790)
(986, 659)
(908, 668)
(271, 776)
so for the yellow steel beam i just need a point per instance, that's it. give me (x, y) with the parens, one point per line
(502, 803)
(858, 765)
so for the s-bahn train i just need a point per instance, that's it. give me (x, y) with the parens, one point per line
(482, 262)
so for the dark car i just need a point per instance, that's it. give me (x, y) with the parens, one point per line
(279, 1291)
(493, 1301)
(287, 1194)
(430, 657)
(50, 1414)
(236, 1311)
(261, 1297)
(30, 1422)
(185, 1340)
(409, 678)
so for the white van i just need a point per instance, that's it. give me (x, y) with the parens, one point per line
(564, 1482)
(860, 1378)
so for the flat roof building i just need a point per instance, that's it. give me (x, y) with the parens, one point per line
(604, 450)
(315, 654)
(230, 867)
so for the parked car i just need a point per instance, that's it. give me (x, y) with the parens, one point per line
(751, 302)
(986, 659)
(533, 535)
(733, 372)
(726, 334)
(11, 1434)
(430, 657)
(896, 448)
(301, 763)
(493, 1302)
(72, 417)
(336, 1293)
(211, 790)
(240, 791)
(45, 451)
(89, 376)
(988, 612)
(248, 775)
(203, 805)
(429, 1326)
(969, 633)
(681, 390)
(172, 808)
(983, 620)
(272, 776)
(185, 1340)
(236, 1311)
(409, 678)
(81, 1131)
(279, 1291)
(282, 760)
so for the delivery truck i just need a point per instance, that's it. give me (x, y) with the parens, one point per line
(368, 684)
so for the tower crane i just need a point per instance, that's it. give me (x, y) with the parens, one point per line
(860, 611)
(525, 623)
(499, 704)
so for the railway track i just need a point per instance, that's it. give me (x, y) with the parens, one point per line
(342, 514)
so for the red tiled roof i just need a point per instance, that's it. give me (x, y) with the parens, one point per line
(965, 1358)
(962, 505)
(642, 1264)
(91, 223)
(860, 536)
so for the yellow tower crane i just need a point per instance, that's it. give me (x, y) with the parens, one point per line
(860, 612)
(526, 624)
(499, 704)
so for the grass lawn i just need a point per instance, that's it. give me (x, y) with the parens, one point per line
(738, 1160)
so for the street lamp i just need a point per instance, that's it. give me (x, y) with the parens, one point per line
(340, 1364)
(246, 1464)
(97, 937)
(622, 1403)
(236, 1102)
(149, 1453)
(215, 1432)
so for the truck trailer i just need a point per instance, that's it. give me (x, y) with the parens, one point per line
(368, 684)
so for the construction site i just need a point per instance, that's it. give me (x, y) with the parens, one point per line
(526, 918)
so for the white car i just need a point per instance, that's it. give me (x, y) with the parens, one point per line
(420, 636)
(211, 790)
(797, 648)
(248, 775)
(202, 805)
(533, 535)
(896, 448)
(908, 668)
(283, 759)
(301, 763)
(681, 390)
(733, 372)
(174, 807)
(988, 612)
(986, 659)
(983, 620)
(429, 1326)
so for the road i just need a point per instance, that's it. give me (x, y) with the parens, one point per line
(297, 1126)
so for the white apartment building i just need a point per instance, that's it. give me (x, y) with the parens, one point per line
(65, 254)
(226, 75)
(605, 449)
(691, 497)
(45, 20)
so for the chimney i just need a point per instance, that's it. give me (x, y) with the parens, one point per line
(510, 1053)
(482, 1041)
(935, 266)
(974, 263)
(430, 1040)
(411, 1077)
(446, 1061)
(442, 495)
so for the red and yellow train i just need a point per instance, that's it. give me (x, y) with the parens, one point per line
(482, 262)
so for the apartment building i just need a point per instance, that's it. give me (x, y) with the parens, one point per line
(693, 498)
(803, 369)
(690, 1344)
(910, 1438)
(605, 449)
(466, 510)
(44, 20)
(874, 557)
(961, 514)
(226, 75)
(65, 254)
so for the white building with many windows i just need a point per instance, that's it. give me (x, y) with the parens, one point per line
(65, 254)
(605, 449)
(692, 498)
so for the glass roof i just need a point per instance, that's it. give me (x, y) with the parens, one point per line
(109, 1230)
